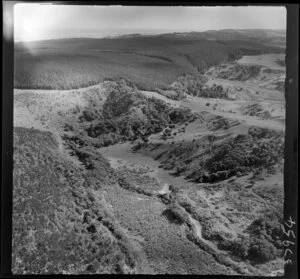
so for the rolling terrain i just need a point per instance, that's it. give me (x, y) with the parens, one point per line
(123, 177)
(151, 62)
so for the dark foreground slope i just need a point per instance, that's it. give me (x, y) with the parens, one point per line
(59, 226)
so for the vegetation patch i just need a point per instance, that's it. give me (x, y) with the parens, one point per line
(219, 161)
(240, 72)
(129, 115)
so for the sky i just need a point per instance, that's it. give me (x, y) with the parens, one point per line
(46, 21)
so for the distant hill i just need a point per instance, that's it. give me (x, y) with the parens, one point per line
(268, 37)
(275, 38)
(150, 61)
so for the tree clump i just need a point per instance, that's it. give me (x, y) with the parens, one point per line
(129, 115)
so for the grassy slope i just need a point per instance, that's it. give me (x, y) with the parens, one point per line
(150, 62)
(166, 245)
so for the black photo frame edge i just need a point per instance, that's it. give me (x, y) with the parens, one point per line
(291, 138)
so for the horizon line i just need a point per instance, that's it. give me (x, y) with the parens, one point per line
(114, 36)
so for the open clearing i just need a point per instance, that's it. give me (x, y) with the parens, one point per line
(267, 60)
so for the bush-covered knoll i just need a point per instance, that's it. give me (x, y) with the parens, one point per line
(129, 115)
